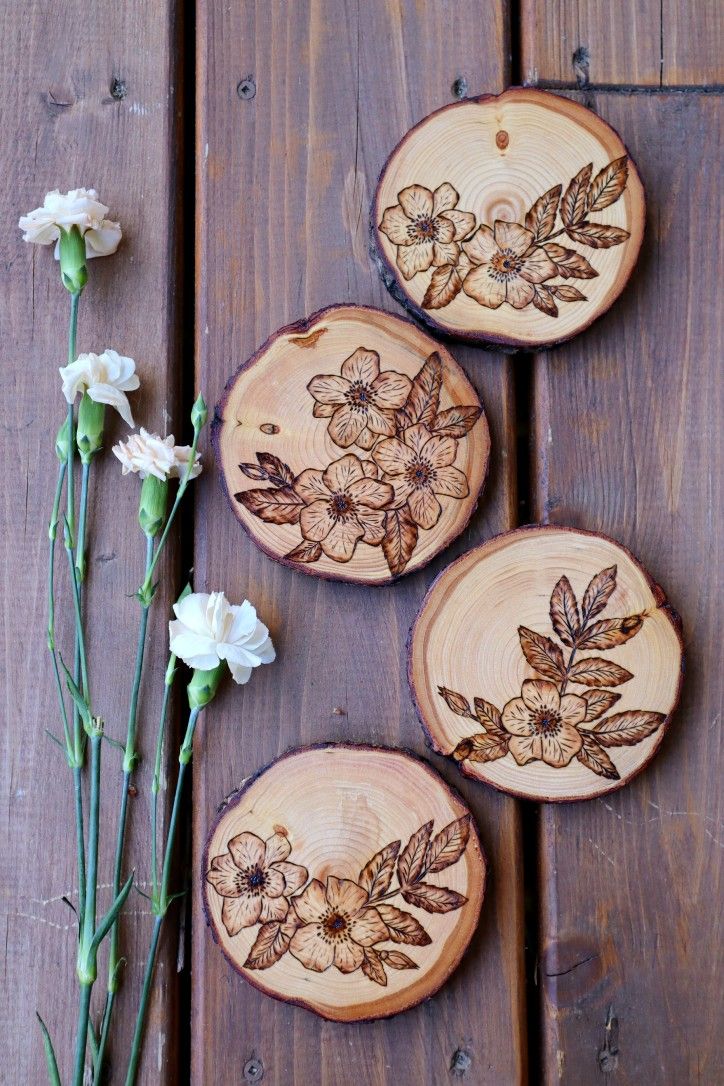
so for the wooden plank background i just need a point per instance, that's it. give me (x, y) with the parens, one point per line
(621, 981)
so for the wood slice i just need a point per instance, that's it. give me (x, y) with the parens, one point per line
(352, 446)
(547, 663)
(513, 220)
(345, 879)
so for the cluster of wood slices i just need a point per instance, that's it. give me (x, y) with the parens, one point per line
(352, 446)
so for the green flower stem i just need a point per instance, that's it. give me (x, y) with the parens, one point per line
(130, 759)
(80, 563)
(146, 590)
(156, 782)
(52, 534)
(86, 967)
(162, 901)
(72, 333)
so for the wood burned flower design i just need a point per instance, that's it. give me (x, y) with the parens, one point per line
(510, 263)
(361, 402)
(426, 228)
(341, 923)
(381, 501)
(548, 723)
(255, 880)
(420, 466)
(543, 726)
(507, 264)
(342, 506)
(336, 926)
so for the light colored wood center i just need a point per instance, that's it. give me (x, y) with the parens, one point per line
(514, 219)
(574, 713)
(348, 880)
(352, 446)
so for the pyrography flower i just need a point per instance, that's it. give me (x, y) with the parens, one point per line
(343, 505)
(507, 264)
(149, 454)
(79, 207)
(208, 629)
(337, 926)
(542, 724)
(419, 467)
(105, 377)
(362, 402)
(255, 880)
(426, 228)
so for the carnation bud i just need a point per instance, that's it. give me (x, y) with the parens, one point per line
(203, 686)
(199, 413)
(89, 431)
(152, 508)
(73, 270)
(61, 443)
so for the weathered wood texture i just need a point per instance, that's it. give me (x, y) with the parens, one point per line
(627, 424)
(63, 128)
(284, 186)
(651, 42)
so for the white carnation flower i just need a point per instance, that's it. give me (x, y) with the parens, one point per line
(79, 207)
(209, 629)
(105, 377)
(148, 454)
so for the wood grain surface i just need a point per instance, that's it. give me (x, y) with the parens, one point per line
(285, 182)
(628, 441)
(62, 127)
(655, 43)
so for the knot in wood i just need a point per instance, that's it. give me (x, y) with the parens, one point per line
(253, 1070)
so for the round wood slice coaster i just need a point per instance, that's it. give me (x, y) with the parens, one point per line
(352, 446)
(547, 663)
(513, 220)
(345, 879)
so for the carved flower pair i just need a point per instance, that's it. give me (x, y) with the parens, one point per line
(426, 227)
(331, 925)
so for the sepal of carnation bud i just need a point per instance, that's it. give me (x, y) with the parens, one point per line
(73, 268)
(199, 413)
(89, 430)
(61, 443)
(152, 507)
(203, 686)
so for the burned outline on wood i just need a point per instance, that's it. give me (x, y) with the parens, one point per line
(544, 723)
(510, 263)
(343, 922)
(386, 498)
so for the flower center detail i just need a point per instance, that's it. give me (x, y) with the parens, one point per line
(420, 474)
(341, 506)
(359, 396)
(335, 925)
(505, 265)
(546, 722)
(250, 881)
(423, 229)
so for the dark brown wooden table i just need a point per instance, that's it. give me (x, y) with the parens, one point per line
(239, 144)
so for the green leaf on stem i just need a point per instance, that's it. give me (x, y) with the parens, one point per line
(52, 1063)
(80, 702)
(106, 923)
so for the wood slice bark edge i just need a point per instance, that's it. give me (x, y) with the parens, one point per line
(454, 208)
(361, 503)
(434, 923)
(518, 655)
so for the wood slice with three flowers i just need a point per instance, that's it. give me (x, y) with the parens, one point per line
(513, 220)
(347, 879)
(547, 663)
(352, 446)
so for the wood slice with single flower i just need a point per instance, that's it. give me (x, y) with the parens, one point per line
(345, 879)
(352, 446)
(547, 663)
(512, 220)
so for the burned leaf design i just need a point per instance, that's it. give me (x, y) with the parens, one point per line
(548, 722)
(340, 923)
(506, 263)
(543, 655)
(627, 729)
(381, 501)
(564, 612)
(376, 876)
